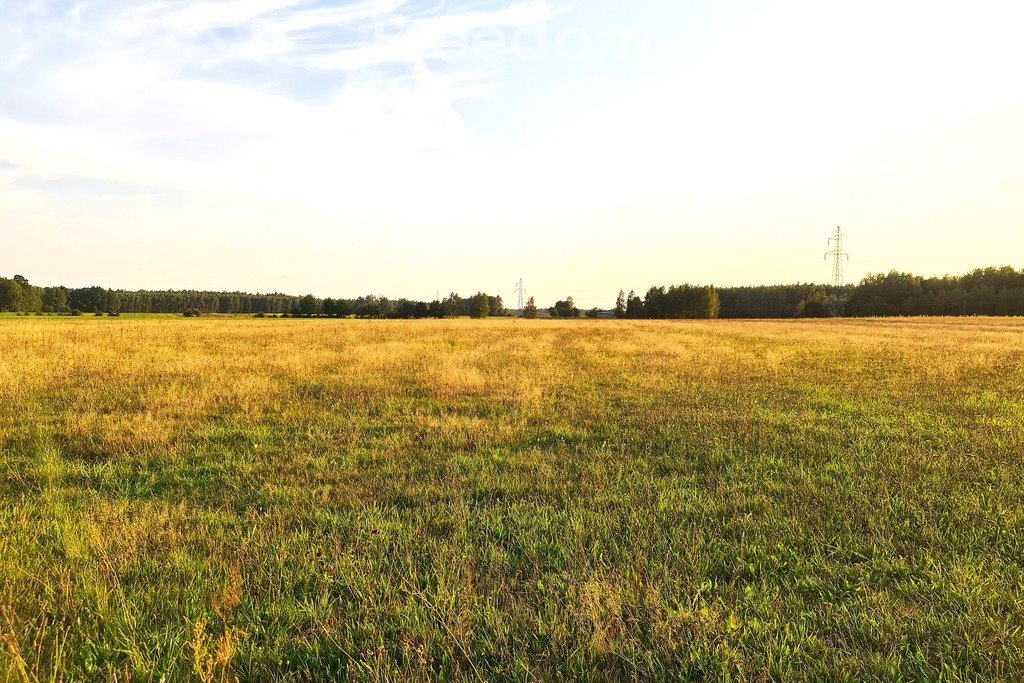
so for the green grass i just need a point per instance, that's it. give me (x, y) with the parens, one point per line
(511, 500)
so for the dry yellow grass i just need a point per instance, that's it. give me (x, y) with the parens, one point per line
(270, 499)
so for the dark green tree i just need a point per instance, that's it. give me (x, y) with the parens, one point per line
(110, 302)
(29, 298)
(91, 299)
(620, 305)
(451, 307)
(370, 306)
(565, 309)
(496, 306)
(10, 295)
(530, 309)
(681, 301)
(634, 306)
(309, 306)
(654, 303)
(479, 306)
(55, 300)
(814, 306)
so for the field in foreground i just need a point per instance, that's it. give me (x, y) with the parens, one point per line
(528, 500)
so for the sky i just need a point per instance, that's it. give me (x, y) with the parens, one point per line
(409, 147)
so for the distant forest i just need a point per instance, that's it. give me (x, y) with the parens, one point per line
(987, 291)
(984, 291)
(17, 294)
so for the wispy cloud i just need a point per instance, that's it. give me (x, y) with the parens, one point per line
(227, 41)
(239, 80)
(84, 186)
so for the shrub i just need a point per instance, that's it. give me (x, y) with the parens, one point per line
(192, 313)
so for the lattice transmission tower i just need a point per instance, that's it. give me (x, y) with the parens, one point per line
(522, 294)
(837, 255)
(837, 299)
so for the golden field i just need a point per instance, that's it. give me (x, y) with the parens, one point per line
(241, 499)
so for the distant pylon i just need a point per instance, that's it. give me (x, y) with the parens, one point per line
(837, 255)
(522, 293)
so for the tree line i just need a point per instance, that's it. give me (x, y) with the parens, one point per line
(672, 303)
(984, 291)
(18, 295)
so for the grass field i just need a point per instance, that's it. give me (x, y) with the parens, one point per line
(511, 500)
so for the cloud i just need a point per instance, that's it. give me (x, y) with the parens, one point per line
(209, 88)
(205, 16)
(84, 186)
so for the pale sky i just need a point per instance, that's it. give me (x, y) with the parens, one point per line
(408, 147)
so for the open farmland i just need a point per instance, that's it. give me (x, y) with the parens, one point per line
(221, 499)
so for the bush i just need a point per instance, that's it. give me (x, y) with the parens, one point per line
(98, 314)
(260, 315)
(75, 312)
(192, 313)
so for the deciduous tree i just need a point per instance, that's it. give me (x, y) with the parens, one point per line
(530, 310)
(479, 306)
(620, 305)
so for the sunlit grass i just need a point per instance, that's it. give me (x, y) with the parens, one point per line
(300, 499)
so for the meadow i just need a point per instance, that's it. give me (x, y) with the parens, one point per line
(241, 499)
